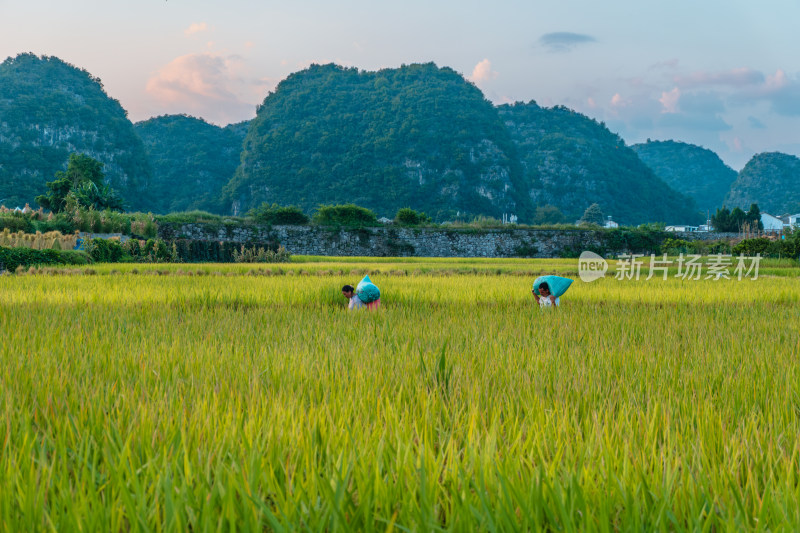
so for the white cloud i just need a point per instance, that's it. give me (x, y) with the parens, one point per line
(669, 100)
(483, 72)
(196, 27)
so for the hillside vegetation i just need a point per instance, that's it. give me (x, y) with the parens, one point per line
(694, 170)
(571, 161)
(50, 109)
(418, 136)
(192, 161)
(772, 180)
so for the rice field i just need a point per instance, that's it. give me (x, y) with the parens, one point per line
(246, 397)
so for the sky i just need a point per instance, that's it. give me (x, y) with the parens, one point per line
(724, 75)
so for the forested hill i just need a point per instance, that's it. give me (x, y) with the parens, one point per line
(192, 161)
(772, 180)
(49, 109)
(571, 161)
(694, 170)
(418, 136)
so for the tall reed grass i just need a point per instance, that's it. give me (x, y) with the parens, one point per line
(38, 241)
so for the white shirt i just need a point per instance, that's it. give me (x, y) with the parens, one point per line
(545, 302)
(355, 303)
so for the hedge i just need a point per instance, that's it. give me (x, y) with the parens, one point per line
(11, 258)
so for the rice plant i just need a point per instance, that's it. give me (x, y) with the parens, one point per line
(222, 397)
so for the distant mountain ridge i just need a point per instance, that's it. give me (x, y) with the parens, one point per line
(192, 161)
(417, 136)
(772, 180)
(49, 109)
(694, 170)
(571, 161)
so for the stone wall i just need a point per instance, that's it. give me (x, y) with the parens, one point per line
(705, 236)
(391, 241)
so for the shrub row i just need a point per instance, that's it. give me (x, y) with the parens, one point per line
(180, 251)
(11, 258)
(680, 246)
(786, 247)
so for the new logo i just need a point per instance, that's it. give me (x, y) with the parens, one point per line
(591, 266)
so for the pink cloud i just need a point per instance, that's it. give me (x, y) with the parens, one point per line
(618, 101)
(483, 72)
(780, 90)
(196, 27)
(214, 87)
(777, 81)
(669, 100)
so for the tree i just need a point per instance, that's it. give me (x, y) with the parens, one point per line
(725, 220)
(754, 217)
(593, 215)
(279, 215)
(80, 185)
(548, 214)
(344, 215)
(738, 218)
(408, 217)
(721, 220)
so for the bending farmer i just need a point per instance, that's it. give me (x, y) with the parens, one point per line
(546, 299)
(350, 293)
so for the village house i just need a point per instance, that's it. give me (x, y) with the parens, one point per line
(610, 223)
(772, 224)
(682, 229)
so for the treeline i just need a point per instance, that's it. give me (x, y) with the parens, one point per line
(737, 220)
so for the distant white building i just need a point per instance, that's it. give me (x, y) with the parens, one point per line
(794, 220)
(610, 223)
(682, 229)
(772, 224)
(707, 227)
(509, 219)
